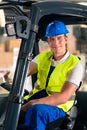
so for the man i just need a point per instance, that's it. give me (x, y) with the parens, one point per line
(59, 76)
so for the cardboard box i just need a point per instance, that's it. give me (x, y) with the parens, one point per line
(6, 61)
(11, 44)
(2, 47)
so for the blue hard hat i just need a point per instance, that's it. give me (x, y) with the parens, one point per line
(56, 28)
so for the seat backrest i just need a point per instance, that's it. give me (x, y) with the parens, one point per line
(72, 116)
(82, 105)
(81, 121)
(66, 123)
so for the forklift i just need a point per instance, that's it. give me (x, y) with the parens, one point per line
(28, 19)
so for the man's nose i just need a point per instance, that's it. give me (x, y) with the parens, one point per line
(56, 41)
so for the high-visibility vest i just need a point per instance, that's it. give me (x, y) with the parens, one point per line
(57, 77)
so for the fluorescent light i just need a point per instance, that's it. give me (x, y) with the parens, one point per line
(83, 3)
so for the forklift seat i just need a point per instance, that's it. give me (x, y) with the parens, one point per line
(66, 123)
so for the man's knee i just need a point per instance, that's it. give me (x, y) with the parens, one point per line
(38, 108)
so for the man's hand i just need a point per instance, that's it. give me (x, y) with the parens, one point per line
(26, 106)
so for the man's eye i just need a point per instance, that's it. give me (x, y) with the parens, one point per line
(58, 38)
(51, 39)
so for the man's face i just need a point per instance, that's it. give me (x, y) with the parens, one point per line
(58, 43)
